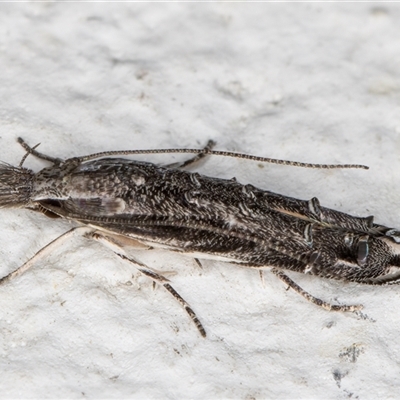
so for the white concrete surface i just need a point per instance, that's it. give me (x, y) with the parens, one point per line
(315, 82)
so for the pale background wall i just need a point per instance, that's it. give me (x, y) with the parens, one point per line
(316, 82)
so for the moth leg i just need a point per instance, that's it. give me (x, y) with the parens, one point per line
(161, 280)
(31, 150)
(112, 243)
(327, 306)
(43, 252)
(210, 144)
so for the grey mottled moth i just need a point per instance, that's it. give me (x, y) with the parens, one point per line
(121, 202)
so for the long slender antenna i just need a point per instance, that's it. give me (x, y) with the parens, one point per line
(220, 153)
(205, 151)
(31, 150)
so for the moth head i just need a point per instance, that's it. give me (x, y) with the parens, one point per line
(15, 186)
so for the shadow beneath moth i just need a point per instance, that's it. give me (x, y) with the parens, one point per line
(121, 202)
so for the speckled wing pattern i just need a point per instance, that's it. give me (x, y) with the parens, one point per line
(192, 213)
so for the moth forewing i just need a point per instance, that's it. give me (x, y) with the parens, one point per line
(121, 202)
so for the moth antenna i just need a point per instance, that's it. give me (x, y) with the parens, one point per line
(207, 151)
(31, 150)
(27, 154)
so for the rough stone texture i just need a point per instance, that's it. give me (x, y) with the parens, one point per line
(313, 82)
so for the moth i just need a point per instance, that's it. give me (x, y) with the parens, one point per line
(125, 203)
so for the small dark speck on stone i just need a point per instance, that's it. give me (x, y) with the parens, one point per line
(379, 11)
